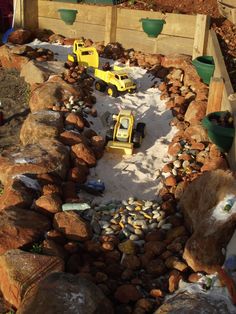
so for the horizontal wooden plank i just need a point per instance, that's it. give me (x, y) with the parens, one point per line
(86, 13)
(176, 24)
(95, 32)
(162, 44)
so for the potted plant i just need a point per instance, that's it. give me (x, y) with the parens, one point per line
(152, 27)
(68, 16)
(220, 128)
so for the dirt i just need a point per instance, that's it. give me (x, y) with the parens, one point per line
(14, 105)
(208, 7)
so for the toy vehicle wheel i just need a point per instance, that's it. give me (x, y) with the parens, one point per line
(141, 128)
(112, 91)
(100, 86)
(109, 135)
(137, 139)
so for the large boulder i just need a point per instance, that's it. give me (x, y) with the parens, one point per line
(19, 191)
(39, 125)
(21, 271)
(33, 73)
(20, 227)
(176, 61)
(72, 226)
(66, 293)
(10, 60)
(50, 156)
(50, 93)
(211, 226)
(195, 301)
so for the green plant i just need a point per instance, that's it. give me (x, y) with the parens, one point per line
(11, 311)
(37, 248)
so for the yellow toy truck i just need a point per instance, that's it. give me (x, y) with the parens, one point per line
(122, 137)
(112, 82)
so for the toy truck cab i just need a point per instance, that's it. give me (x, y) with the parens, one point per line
(87, 56)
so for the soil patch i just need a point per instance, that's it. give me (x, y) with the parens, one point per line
(14, 100)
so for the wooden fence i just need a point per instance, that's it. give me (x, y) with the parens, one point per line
(181, 34)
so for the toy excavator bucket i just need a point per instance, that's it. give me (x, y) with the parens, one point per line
(119, 147)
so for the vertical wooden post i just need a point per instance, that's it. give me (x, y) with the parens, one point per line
(111, 23)
(201, 35)
(19, 14)
(216, 89)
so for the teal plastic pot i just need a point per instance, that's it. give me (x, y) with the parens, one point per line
(68, 16)
(205, 67)
(152, 27)
(221, 136)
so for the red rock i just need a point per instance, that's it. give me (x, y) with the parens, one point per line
(156, 235)
(72, 226)
(179, 100)
(51, 248)
(69, 190)
(144, 304)
(100, 277)
(175, 247)
(127, 293)
(170, 104)
(20, 37)
(176, 61)
(71, 138)
(167, 168)
(156, 267)
(156, 293)
(56, 236)
(174, 278)
(10, 60)
(49, 204)
(154, 248)
(77, 174)
(196, 132)
(22, 271)
(51, 189)
(175, 233)
(174, 149)
(214, 164)
(194, 277)
(108, 246)
(162, 87)
(83, 152)
(197, 145)
(98, 142)
(181, 186)
(76, 120)
(166, 254)
(174, 262)
(170, 181)
(196, 112)
(214, 152)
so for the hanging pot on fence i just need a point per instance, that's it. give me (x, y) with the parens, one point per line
(68, 16)
(205, 67)
(152, 27)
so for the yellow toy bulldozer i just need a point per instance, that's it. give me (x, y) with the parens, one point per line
(122, 137)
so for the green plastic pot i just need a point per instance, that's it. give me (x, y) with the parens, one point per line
(152, 27)
(205, 67)
(68, 16)
(221, 136)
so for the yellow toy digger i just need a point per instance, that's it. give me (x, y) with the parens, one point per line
(87, 56)
(122, 137)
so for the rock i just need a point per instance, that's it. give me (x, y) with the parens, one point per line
(69, 190)
(181, 186)
(154, 248)
(20, 227)
(33, 73)
(49, 189)
(76, 120)
(196, 112)
(113, 51)
(97, 142)
(174, 148)
(22, 271)
(72, 138)
(72, 226)
(144, 304)
(17, 193)
(156, 293)
(170, 181)
(20, 37)
(214, 152)
(173, 262)
(185, 302)
(50, 93)
(49, 204)
(10, 60)
(131, 262)
(214, 164)
(77, 174)
(39, 125)
(156, 267)
(82, 151)
(52, 248)
(177, 61)
(203, 250)
(50, 156)
(56, 38)
(196, 132)
(67, 294)
(174, 278)
(127, 293)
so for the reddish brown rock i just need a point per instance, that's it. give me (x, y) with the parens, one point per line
(175, 233)
(127, 293)
(196, 132)
(10, 60)
(214, 152)
(20, 37)
(154, 248)
(144, 304)
(77, 174)
(20, 227)
(214, 164)
(22, 271)
(197, 145)
(156, 267)
(52, 248)
(51, 189)
(50, 156)
(155, 235)
(176, 61)
(174, 149)
(97, 142)
(69, 190)
(76, 120)
(72, 226)
(194, 277)
(196, 112)
(203, 250)
(39, 125)
(49, 204)
(156, 293)
(83, 152)
(174, 278)
(131, 262)
(170, 181)
(71, 138)
(174, 262)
